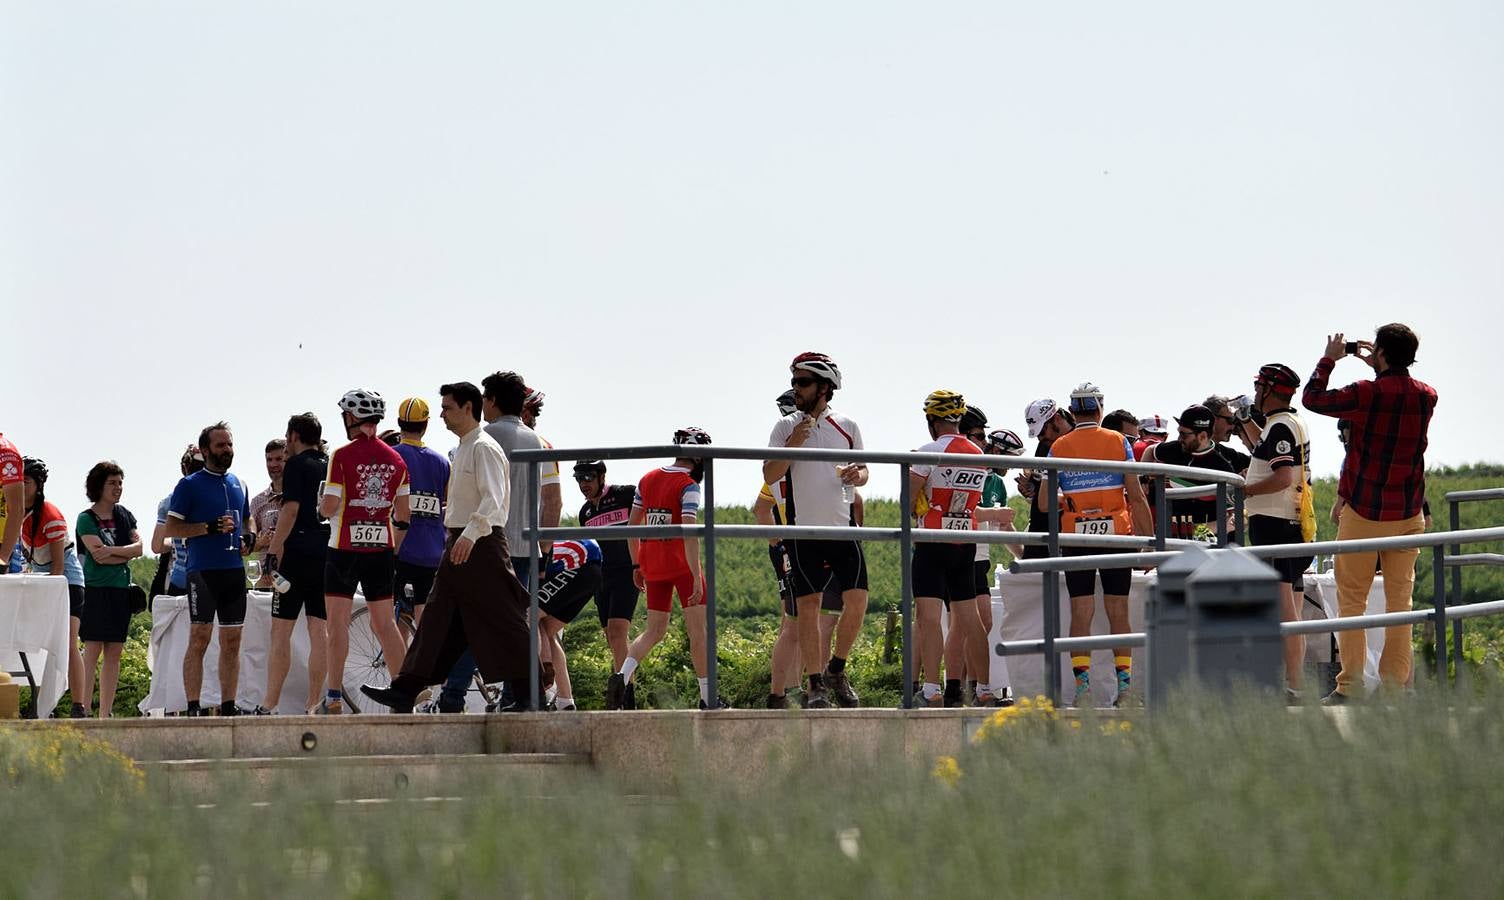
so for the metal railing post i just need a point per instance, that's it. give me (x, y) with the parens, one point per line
(710, 645)
(1221, 514)
(1455, 524)
(906, 582)
(1439, 598)
(1051, 593)
(532, 544)
(1161, 512)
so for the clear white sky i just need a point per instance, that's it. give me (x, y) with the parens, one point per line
(240, 210)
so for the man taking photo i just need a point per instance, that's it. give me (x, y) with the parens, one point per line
(1382, 486)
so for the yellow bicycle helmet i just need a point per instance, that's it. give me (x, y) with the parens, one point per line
(947, 405)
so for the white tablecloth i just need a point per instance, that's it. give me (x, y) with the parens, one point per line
(1018, 615)
(34, 621)
(1324, 586)
(169, 643)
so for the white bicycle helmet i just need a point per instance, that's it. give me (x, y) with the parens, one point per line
(691, 435)
(819, 365)
(363, 404)
(1087, 397)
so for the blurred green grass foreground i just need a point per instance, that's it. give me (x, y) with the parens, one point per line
(1397, 798)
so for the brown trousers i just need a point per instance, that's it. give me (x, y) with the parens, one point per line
(480, 605)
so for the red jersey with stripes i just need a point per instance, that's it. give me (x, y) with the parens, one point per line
(366, 476)
(952, 492)
(573, 554)
(666, 496)
(11, 472)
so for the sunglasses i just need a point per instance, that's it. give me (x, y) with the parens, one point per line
(585, 477)
(801, 382)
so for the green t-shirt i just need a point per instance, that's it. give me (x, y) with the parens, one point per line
(117, 575)
(994, 491)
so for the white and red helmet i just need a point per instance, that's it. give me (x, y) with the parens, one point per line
(818, 365)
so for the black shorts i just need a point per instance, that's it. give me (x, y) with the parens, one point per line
(412, 585)
(831, 603)
(816, 562)
(945, 571)
(1266, 530)
(1083, 583)
(217, 593)
(371, 572)
(982, 574)
(107, 615)
(305, 569)
(616, 598)
(564, 594)
(778, 555)
(76, 601)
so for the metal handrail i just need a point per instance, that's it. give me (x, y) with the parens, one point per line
(1474, 496)
(905, 535)
(1456, 561)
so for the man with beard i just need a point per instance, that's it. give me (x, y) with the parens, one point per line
(1194, 448)
(616, 598)
(210, 510)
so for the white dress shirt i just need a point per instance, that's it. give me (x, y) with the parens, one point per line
(479, 486)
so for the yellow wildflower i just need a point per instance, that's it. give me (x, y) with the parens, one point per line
(947, 770)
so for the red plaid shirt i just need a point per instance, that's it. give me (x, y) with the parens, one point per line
(1384, 475)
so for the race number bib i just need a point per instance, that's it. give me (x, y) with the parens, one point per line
(956, 523)
(658, 517)
(1095, 526)
(424, 505)
(369, 535)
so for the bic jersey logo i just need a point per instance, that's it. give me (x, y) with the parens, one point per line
(961, 479)
(372, 479)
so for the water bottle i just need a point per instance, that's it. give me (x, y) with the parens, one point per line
(280, 584)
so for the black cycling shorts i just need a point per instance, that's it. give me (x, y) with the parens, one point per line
(616, 598)
(982, 573)
(816, 562)
(76, 600)
(778, 555)
(831, 603)
(305, 570)
(564, 594)
(217, 594)
(412, 585)
(945, 571)
(345, 570)
(1266, 530)
(1083, 583)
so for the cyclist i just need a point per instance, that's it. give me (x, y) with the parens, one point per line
(175, 548)
(1227, 423)
(668, 496)
(1151, 430)
(298, 553)
(994, 514)
(11, 476)
(428, 487)
(944, 573)
(1194, 448)
(210, 510)
(1098, 503)
(572, 578)
(366, 501)
(1279, 472)
(266, 506)
(46, 547)
(616, 600)
(819, 493)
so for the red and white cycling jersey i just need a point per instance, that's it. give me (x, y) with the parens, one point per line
(953, 492)
(367, 476)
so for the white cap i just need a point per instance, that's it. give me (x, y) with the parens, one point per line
(1039, 412)
(1154, 424)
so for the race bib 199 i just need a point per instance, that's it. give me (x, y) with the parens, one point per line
(369, 535)
(1095, 526)
(423, 505)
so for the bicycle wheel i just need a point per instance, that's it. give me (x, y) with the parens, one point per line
(365, 663)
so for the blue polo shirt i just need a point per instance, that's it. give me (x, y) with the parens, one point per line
(203, 497)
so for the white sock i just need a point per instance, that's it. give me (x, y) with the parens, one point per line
(564, 703)
(627, 668)
(983, 688)
(931, 691)
(705, 691)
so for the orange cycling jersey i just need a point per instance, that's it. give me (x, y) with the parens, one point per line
(952, 493)
(1095, 502)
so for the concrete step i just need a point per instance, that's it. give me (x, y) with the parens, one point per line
(357, 777)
